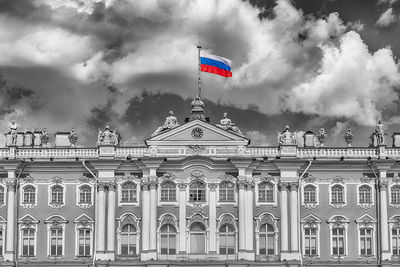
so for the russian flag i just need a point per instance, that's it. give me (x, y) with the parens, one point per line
(215, 64)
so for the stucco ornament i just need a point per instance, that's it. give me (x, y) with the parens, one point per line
(227, 124)
(348, 137)
(321, 136)
(45, 138)
(73, 137)
(287, 137)
(13, 131)
(107, 137)
(170, 122)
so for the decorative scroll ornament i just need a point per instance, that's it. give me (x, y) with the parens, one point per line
(198, 217)
(168, 219)
(365, 179)
(170, 122)
(383, 186)
(182, 186)
(73, 137)
(308, 178)
(396, 180)
(85, 179)
(111, 186)
(10, 186)
(107, 137)
(338, 180)
(197, 174)
(249, 186)
(228, 125)
(56, 180)
(28, 179)
(44, 138)
(348, 137)
(213, 186)
(241, 184)
(266, 177)
(227, 178)
(287, 137)
(283, 186)
(227, 219)
(321, 137)
(168, 176)
(145, 186)
(196, 149)
(294, 186)
(128, 219)
(128, 178)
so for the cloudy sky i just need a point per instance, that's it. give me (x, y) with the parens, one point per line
(305, 63)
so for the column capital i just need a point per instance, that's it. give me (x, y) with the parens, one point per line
(101, 186)
(182, 186)
(213, 186)
(283, 186)
(153, 184)
(10, 186)
(111, 186)
(249, 186)
(383, 186)
(145, 186)
(294, 186)
(241, 184)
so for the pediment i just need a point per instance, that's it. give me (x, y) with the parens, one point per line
(197, 132)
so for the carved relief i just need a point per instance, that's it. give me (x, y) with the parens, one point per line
(56, 180)
(337, 180)
(196, 149)
(197, 174)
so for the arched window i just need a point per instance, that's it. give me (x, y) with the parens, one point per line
(267, 239)
(57, 194)
(168, 239)
(266, 192)
(197, 192)
(128, 239)
(1, 195)
(337, 194)
(168, 191)
(310, 194)
(128, 192)
(29, 194)
(364, 194)
(226, 239)
(226, 192)
(395, 194)
(197, 238)
(85, 194)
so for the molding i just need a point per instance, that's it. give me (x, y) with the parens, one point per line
(339, 204)
(29, 205)
(366, 205)
(56, 205)
(145, 186)
(78, 193)
(274, 185)
(310, 205)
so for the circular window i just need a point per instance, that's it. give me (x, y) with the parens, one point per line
(197, 133)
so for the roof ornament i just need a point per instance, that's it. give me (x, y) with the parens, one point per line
(44, 138)
(107, 137)
(170, 122)
(13, 131)
(287, 137)
(228, 125)
(380, 133)
(197, 109)
(321, 137)
(73, 137)
(348, 137)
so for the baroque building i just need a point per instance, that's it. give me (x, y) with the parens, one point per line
(198, 194)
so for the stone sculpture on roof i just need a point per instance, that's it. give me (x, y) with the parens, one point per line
(73, 137)
(287, 137)
(227, 124)
(44, 137)
(170, 122)
(13, 130)
(107, 137)
(348, 137)
(380, 133)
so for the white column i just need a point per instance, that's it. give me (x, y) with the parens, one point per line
(145, 219)
(153, 218)
(249, 221)
(182, 218)
(242, 219)
(384, 222)
(101, 219)
(111, 221)
(213, 217)
(284, 219)
(294, 231)
(9, 252)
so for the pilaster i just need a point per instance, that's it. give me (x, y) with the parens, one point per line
(182, 218)
(111, 221)
(213, 217)
(145, 220)
(101, 216)
(242, 253)
(249, 215)
(283, 188)
(153, 184)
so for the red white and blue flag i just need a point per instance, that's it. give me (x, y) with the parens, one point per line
(215, 64)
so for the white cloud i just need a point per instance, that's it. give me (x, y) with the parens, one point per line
(387, 18)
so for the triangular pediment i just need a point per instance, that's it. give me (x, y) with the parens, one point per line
(197, 132)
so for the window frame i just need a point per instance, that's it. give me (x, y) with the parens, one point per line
(394, 204)
(310, 204)
(274, 192)
(27, 222)
(28, 205)
(365, 205)
(3, 228)
(84, 205)
(262, 219)
(339, 221)
(124, 219)
(311, 222)
(170, 189)
(227, 201)
(120, 183)
(84, 222)
(3, 189)
(204, 232)
(338, 204)
(169, 235)
(205, 200)
(55, 222)
(50, 196)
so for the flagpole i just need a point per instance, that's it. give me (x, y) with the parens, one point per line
(198, 73)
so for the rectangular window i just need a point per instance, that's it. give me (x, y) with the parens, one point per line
(1, 241)
(168, 194)
(168, 243)
(28, 242)
(338, 241)
(396, 241)
(310, 239)
(1, 195)
(56, 242)
(84, 240)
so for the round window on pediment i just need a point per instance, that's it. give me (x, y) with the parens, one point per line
(197, 133)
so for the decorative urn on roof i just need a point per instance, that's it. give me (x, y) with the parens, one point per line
(197, 109)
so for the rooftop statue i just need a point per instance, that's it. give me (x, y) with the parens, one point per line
(13, 130)
(227, 124)
(170, 122)
(44, 137)
(107, 137)
(348, 137)
(321, 136)
(287, 137)
(73, 137)
(197, 109)
(380, 133)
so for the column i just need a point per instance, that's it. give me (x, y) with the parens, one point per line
(182, 218)
(145, 220)
(153, 219)
(242, 219)
(386, 255)
(101, 219)
(213, 217)
(111, 221)
(249, 199)
(9, 254)
(294, 231)
(284, 219)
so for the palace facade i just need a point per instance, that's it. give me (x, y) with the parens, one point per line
(198, 195)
